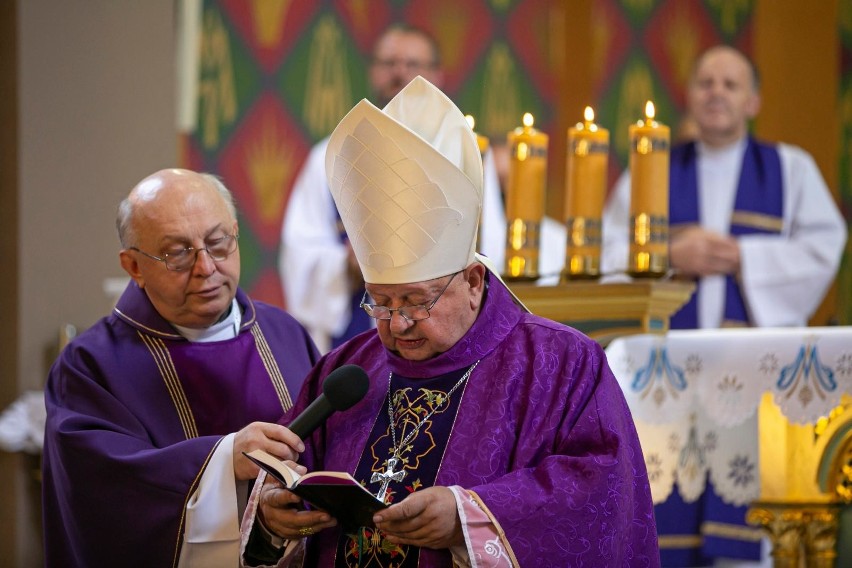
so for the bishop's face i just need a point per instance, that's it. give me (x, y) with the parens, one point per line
(449, 319)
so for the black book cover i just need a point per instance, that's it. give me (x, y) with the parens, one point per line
(336, 492)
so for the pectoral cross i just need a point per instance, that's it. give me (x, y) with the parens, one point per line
(386, 477)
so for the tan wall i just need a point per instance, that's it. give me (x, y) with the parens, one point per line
(8, 255)
(96, 104)
(796, 49)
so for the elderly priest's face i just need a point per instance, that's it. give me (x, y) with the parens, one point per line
(176, 210)
(449, 318)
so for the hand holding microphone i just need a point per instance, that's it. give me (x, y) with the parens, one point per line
(342, 388)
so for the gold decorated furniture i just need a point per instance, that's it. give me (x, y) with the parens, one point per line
(606, 311)
(764, 414)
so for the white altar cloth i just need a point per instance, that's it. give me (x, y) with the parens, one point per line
(694, 396)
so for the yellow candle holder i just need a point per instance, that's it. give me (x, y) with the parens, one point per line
(525, 200)
(649, 197)
(483, 143)
(586, 172)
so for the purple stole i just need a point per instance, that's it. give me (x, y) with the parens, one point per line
(758, 208)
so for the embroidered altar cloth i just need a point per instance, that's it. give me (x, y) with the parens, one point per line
(694, 396)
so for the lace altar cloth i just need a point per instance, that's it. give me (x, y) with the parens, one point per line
(694, 396)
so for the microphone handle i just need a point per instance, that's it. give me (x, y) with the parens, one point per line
(310, 418)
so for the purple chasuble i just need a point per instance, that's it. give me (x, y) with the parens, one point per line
(542, 436)
(759, 197)
(134, 412)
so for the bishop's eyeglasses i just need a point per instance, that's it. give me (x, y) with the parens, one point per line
(410, 313)
(219, 249)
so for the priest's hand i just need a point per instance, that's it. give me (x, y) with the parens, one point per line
(282, 513)
(697, 252)
(272, 438)
(427, 518)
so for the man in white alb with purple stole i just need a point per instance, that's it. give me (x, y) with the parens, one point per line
(499, 438)
(755, 226)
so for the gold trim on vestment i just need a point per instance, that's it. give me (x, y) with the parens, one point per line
(168, 371)
(713, 529)
(731, 532)
(272, 368)
(757, 221)
(680, 541)
(150, 330)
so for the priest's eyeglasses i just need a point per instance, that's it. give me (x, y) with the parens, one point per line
(411, 313)
(219, 249)
(410, 65)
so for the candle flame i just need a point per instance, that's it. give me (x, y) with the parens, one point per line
(528, 120)
(649, 110)
(589, 114)
(470, 121)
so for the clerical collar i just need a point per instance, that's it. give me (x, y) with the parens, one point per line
(733, 149)
(226, 328)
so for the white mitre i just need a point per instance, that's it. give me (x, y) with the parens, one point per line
(407, 181)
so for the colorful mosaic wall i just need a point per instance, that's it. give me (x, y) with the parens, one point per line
(644, 50)
(277, 75)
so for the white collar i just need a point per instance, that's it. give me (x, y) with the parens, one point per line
(736, 148)
(227, 328)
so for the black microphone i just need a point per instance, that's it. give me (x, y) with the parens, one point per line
(343, 387)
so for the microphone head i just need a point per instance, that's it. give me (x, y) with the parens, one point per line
(345, 386)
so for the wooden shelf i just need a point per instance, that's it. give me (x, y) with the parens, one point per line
(607, 311)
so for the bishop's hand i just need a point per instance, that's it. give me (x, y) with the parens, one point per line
(427, 518)
(282, 513)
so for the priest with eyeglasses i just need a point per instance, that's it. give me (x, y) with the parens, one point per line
(149, 411)
(497, 437)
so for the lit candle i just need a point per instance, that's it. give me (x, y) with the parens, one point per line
(525, 200)
(585, 189)
(481, 140)
(649, 196)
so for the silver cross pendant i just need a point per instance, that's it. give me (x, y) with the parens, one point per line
(386, 477)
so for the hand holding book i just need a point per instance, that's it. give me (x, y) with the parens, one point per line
(335, 492)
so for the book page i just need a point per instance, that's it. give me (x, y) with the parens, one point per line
(275, 467)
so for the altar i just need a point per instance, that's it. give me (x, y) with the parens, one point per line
(763, 414)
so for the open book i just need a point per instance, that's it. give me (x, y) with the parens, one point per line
(335, 492)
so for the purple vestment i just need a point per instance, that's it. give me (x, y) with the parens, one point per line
(134, 411)
(543, 435)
